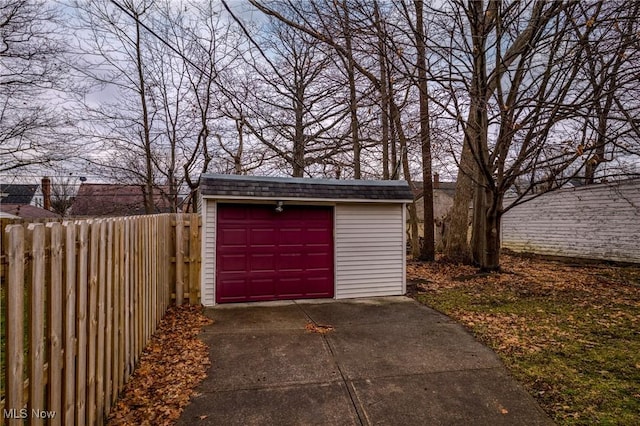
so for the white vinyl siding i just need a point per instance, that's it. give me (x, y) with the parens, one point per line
(208, 285)
(369, 250)
(596, 222)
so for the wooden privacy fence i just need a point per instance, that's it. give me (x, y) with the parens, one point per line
(80, 300)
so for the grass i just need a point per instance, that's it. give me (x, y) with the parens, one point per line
(569, 333)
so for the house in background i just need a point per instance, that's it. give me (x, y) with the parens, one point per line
(21, 194)
(26, 201)
(99, 199)
(443, 193)
(598, 221)
(25, 211)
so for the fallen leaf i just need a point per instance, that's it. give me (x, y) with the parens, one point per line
(318, 328)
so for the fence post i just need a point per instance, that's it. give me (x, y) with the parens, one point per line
(194, 249)
(179, 260)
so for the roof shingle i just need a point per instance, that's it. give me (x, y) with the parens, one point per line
(234, 186)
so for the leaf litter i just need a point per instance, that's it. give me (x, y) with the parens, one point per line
(557, 326)
(171, 366)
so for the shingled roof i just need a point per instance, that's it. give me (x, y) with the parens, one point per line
(257, 187)
(99, 199)
(17, 193)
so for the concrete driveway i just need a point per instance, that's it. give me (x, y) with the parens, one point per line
(387, 361)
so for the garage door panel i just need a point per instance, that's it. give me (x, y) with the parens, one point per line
(316, 261)
(262, 262)
(232, 237)
(316, 286)
(290, 236)
(234, 290)
(259, 236)
(264, 286)
(231, 214)
(286, 255)
(234, 262)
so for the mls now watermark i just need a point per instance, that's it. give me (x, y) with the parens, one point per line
(23, 413)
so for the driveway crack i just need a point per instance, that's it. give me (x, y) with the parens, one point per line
(350, 391)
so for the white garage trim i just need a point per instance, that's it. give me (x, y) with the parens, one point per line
(208, 279)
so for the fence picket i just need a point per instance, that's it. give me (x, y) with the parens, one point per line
(81, 324)
(36, 233)
(92, 320)
(100, 338)
(69, 402)
(55, 312)
(108, 343)
(14, 346)
(179, 262)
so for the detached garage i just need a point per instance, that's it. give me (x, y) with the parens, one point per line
(268, 238)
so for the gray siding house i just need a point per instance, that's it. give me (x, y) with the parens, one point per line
(599, 221)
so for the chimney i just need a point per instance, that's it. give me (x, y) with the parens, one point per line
(436, 180)
(46, 193)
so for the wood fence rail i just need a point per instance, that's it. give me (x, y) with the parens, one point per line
(79, 302)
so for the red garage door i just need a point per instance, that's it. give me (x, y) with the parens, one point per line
(266, 255)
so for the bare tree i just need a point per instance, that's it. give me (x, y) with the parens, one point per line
(296, 110)
(32, 74)
(518, 77)
(311, 20)
(114, 57)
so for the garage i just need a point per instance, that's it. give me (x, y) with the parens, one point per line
(270, 238)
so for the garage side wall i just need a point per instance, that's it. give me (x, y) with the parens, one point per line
(208, 279)
(369, 250)
(594, 222)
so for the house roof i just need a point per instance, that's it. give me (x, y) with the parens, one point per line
(447, 187)
(278, 188)
(17, 193)
(26, 211)
(97, 199)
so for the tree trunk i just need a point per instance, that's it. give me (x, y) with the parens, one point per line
(384, 94)
(298, 141)
(149, 206)
(428, 250)
(353, 99)
(237, 158)
(491, 258)
(456, 245)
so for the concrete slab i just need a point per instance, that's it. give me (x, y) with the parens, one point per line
(372, 311)
(320, 404)
(258, 359)
(388, 361)
(478, 397)
(391, 349)
(261, 317)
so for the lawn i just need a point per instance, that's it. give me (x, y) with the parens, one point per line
(570, 333)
